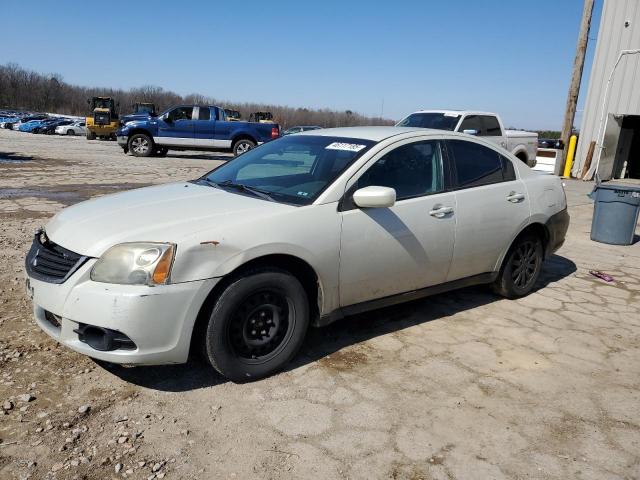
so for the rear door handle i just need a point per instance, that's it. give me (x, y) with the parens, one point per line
(514, 197)
(440, 212)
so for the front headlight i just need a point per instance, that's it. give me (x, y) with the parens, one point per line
(135, 264)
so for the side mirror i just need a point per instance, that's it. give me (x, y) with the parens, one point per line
(167, 119)
(375, 197)
(471, 132)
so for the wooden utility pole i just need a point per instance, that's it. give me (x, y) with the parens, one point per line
(576, 77)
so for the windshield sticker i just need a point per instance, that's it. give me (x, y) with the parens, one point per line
(451, 114)
(349, 147)
(303, 194)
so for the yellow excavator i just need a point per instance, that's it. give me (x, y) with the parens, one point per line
(102, 122)
(261, 117)
(233, 115)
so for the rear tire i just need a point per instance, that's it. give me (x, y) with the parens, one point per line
(243, 146)
(257, 324)
(520, 268)
(141, 145)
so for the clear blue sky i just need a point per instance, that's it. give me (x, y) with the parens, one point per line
(509, 56)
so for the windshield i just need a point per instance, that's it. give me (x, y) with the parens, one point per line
(439, 121)
(144, 109)
(294, 169)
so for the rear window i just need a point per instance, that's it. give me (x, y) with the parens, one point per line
(438, 121)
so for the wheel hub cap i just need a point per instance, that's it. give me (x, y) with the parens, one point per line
(259, 325)
(524, 265)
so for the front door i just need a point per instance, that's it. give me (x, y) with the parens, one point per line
(387, 251)
(492, 207)
(177, 128)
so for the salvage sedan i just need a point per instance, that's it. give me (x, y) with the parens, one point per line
(300, 231)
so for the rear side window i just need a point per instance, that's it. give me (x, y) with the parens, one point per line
(204, 113)
(491, 126)
(508, 171)
(475, 165)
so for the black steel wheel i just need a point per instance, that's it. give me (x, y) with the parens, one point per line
(261, 325)
(257, 324)
(521, 267)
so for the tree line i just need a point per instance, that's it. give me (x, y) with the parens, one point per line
(27, 90)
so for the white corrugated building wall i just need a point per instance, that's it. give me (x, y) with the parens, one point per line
(620, 153)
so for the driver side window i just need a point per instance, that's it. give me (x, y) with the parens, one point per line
(181, 113)
(413, 170)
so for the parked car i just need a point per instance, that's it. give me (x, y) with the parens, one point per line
(299, 231)
(193, 127)
(6, 121)
(48, 127)
(522, 144)
(75, 128)
(550, 143)
(300, 128)
(26, 119)
(30, 125)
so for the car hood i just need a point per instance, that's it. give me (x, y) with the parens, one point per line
(164, 213)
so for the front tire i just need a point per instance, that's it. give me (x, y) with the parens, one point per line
(521, 267)
(71, 133)
(243, 146)
(141, 145)
(91, 135)
(257, 325)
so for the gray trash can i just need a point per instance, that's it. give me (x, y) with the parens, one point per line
(615, 213)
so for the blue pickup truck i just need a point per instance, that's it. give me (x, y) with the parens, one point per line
(192, 127)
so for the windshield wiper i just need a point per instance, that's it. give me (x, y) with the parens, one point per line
(244, 188)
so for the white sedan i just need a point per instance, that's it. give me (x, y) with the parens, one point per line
(299, 231)
(76, 128)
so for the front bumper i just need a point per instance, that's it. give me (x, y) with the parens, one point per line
(159, 320)
(122, 140)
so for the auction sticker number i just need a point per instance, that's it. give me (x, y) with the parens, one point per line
(349, 147)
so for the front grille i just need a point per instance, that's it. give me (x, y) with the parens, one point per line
(49, 262)
(100, 118)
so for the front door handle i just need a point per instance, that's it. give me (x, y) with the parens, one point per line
(514, 197)
(440, 212)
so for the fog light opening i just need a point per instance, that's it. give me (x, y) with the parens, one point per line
(104, 339)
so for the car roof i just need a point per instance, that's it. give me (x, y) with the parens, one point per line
(376, 134)
(456, 112)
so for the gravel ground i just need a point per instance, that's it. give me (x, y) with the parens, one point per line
(463, 385)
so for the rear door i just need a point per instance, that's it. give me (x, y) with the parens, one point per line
(223, 128)
(204, 127)
(491, 207)
(177, 128)
(387, 251)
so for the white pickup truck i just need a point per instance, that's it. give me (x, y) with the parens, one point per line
(523, 145)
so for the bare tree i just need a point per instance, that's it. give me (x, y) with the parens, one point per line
(22, 89)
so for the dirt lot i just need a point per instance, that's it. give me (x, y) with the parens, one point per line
(464, 385)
